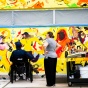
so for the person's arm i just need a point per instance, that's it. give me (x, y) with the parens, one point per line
(57, 46)
(32, 58)
(11, 57)
(45, 45)
(29, 56)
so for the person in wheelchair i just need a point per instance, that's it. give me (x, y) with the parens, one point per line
(20, 57)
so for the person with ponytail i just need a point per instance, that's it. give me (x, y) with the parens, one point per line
(50, 60)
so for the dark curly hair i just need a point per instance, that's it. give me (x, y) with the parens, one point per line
(50, 34)
(18, 45)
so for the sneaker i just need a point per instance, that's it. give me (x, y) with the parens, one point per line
(17, 78)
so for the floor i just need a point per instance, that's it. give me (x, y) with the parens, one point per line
(38, 82)
(3, 83)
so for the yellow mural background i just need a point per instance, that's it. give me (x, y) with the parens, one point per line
(38, 4)
(14, 34)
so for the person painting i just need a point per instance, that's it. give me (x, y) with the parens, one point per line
(19, 53)
(50, 61)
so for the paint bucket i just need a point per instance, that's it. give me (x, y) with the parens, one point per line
(84, 72)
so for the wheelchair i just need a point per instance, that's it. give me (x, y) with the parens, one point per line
(20, 70)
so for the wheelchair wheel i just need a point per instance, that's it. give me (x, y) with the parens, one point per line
(12, 76)
(31, 76)
(31, 73)
(69, 84)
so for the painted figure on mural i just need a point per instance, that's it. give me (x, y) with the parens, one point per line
(50, 60)
(62, 39)
(26, 42)
(5, 64)
(77, 41)
(79, 37)
(27, 45)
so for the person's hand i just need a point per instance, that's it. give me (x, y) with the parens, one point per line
(36, 58)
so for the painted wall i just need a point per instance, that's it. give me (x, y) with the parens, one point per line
(11, 35)
(37, 4)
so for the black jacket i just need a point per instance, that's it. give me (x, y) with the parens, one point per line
(20, 55)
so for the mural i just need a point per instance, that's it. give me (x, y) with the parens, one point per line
(72, 39)
(38, 4)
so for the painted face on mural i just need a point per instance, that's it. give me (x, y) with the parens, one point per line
(25, 35)
(11, 1)
(61, 35)
(2, 39)
(82, 35)
(75, 34)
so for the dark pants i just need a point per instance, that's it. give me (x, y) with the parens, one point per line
(50, 70)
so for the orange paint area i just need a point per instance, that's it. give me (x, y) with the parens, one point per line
(80, 2)
(62, 39)
(38, 5)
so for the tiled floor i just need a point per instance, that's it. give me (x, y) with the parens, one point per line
(36, 83)
(3, 83)
(39, 82)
